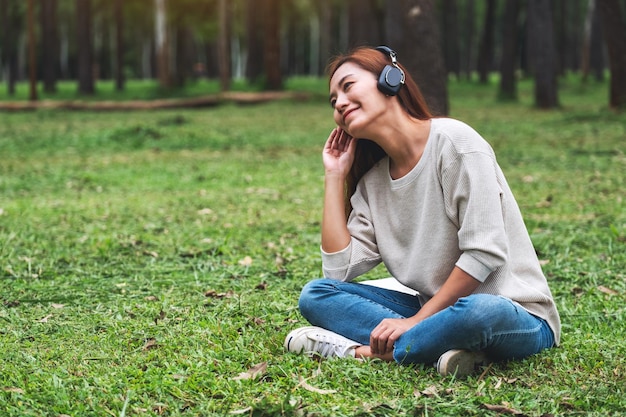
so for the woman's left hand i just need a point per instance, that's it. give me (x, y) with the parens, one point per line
(386, 333)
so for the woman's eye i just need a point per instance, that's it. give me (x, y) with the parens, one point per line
(332, 103)
(347, 85)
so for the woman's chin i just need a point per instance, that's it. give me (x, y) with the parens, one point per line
(351, 130)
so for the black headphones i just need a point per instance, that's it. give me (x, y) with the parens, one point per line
(391, 78)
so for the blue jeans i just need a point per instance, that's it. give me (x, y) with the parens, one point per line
(490, 323)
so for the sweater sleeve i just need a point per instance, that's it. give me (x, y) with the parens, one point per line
(361, 254)
(473, 199)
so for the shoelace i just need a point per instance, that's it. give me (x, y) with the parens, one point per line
(327, 346)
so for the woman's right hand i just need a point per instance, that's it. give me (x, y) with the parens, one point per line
(339, 151)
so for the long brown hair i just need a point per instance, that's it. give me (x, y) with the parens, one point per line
(369, 153)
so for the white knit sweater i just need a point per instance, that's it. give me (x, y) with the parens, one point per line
(454, 208)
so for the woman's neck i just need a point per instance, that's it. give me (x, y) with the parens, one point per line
(405, 143)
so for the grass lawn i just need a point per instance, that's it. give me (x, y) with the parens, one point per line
(150, 263)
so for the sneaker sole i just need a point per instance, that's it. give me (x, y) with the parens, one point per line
(460, 362)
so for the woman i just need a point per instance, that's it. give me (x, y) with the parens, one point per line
(426, 197)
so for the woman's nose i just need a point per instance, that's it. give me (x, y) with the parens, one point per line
(341, 103)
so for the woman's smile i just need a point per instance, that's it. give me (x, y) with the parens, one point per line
(348, 112)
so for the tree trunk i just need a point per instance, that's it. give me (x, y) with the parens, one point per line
(593, 44)
(224, 52)
(451, 37)
(12, 25)
(85, 47)
(365, 23)
(569, 31)
(254, 41)
(273, 72)
(542, 53)
(102, 44)
(118, 14)
(49, 45)
(162, 44)
(468, 44)
(597, 63)
(183, 54)
(560, 30)
(485, 52)
(32, 52)
(508, 84)
(615, 35)
(326, 16)
(314, 44)
(293, 57)
(412, 30)
(586, 48)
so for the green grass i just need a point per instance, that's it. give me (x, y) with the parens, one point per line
(149, 89)
(133, 90)
(147, 259)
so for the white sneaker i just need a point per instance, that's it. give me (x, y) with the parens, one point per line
(460, 362)
(315, 340)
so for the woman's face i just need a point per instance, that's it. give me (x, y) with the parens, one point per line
(355, 98)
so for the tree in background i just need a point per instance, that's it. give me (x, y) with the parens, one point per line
(271, 44)
(49, 44)
(11, 15)
(365, 23)
(162, 44)
(84, 38)
(451, 37)
(32, 56)
(118, 16)
(467, 52)
(485, 52)
(592, 60)
(326, 14)
(224, 52)
(510, 51)
(615, 35)
(270, 40)
(542, 53)
(412, 29)
(254, 41)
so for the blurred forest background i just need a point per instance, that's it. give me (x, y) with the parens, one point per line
(265, 42)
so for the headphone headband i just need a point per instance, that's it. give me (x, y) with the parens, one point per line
(389, 52)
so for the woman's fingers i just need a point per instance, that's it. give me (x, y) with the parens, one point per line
(379, 341)
(385, 335)
(340, 140)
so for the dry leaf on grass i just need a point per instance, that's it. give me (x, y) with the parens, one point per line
(215, 294)
(504, 380)
(242, 411)
(311, 388)
(258, 321)
(13, 389)
(503, 409)
(45, 319)
(430, 391)
(607, 290)
(247, 261)
(150, 344)
(252, 373)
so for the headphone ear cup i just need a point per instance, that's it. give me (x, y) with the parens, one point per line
(390, 80)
